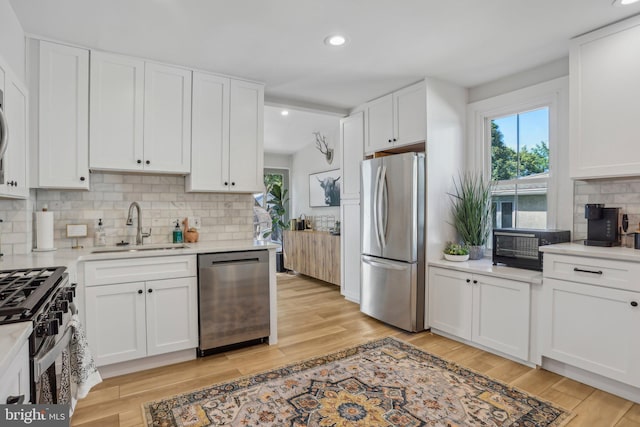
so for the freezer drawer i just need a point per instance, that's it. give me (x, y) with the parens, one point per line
(233, 298)
(391, 293)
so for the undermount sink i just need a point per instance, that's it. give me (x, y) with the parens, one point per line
(138, 248)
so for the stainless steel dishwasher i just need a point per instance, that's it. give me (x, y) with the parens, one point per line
(233, 299)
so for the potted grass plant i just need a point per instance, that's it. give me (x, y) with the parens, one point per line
(471, 211)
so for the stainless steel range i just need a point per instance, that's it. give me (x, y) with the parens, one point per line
(45, 297)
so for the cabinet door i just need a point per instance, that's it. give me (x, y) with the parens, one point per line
(15, 158)
(593, 328)
(350, 240)
(450, 302)
(494, 301)
(210, 134)
(246, 153)
(410, 115)
(380, 112)
(605, 99)
(115, 322)
(116, 113)
(15, 381)
(167, 119)
(63, 114)
(172, 315)
(352, 146)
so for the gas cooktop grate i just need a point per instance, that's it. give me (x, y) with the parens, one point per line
(23, 290)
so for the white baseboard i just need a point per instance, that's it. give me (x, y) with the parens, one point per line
(136, 365)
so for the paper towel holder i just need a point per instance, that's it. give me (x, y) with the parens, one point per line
(74, 231)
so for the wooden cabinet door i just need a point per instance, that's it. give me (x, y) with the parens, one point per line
(116, 112)
(593, 328)
(116, 322)
(167, 119)
(501, 315)
(605, 100)
(410, 115)
(352, 148)
(380, 123)
(15, 158)
(172, 315)
(210, 134)
(350, 240)
(450, 301)
(63, 117)
(246, 128)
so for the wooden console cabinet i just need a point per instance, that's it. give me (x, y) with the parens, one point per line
(313, 253)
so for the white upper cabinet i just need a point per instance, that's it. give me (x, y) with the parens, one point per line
(59, 76)
(167, 119)
(605, 101)
(116, 112)
(352, 149)
(227, 135)
(14, 179)
(210, 133)
(397, 119)
(246, 126)
(140, 115)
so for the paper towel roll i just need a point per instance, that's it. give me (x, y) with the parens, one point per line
(44, 231)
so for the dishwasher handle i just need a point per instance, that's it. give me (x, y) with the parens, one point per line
(235, 261)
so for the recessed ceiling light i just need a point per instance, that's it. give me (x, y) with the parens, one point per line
(623, 2)
(284, 112)
(336, 40)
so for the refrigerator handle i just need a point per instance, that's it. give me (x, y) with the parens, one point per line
(381, 206)
(375, 207)
(382, 264)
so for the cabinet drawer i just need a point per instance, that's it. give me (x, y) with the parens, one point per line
(139, 269)
(593, 271)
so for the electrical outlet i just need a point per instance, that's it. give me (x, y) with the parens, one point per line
(194, 222)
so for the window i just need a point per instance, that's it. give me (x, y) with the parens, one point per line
(520, 168)
(520, 138)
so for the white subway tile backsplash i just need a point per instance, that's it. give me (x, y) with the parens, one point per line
(620, 192)
(162, 198)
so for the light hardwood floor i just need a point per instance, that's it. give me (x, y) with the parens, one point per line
(314, 319)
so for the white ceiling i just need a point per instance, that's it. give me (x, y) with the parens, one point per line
(392, 43)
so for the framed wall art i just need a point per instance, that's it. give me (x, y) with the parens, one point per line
(324, 189)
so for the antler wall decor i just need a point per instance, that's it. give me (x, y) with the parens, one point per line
(321, 144)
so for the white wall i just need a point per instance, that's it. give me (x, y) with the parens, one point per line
(539, 74)
(277, 161)
(307, 161)
(12, 44)
(446, 111)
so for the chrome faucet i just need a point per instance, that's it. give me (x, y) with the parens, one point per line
(139, 235)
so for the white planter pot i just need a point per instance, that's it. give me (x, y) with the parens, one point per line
(456, 257)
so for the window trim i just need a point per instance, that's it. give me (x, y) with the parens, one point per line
(550, 94)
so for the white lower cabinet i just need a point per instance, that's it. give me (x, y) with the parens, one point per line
(592, 327)
(15, 381)
(489, 311)
(350, 250)
(137, 318)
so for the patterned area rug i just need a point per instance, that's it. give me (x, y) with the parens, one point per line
(382, 383)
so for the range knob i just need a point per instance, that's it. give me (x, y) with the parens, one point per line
(62, 305)
(56, 315)
(68, 295)
(46, 328)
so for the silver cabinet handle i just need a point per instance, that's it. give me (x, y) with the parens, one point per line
(4, 134)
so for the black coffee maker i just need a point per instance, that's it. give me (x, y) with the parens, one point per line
(603, 228)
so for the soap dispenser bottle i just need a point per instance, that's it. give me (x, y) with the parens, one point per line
(100, 236)
(177, 233)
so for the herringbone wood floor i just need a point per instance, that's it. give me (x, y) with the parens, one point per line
(315, 319)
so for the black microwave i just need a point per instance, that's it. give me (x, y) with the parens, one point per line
(518, 247)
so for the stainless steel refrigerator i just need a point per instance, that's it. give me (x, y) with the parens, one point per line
(392, 218)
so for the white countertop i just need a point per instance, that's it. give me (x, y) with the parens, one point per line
(485, 266)
(69, 257)
(12, 336)
(617, 253)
